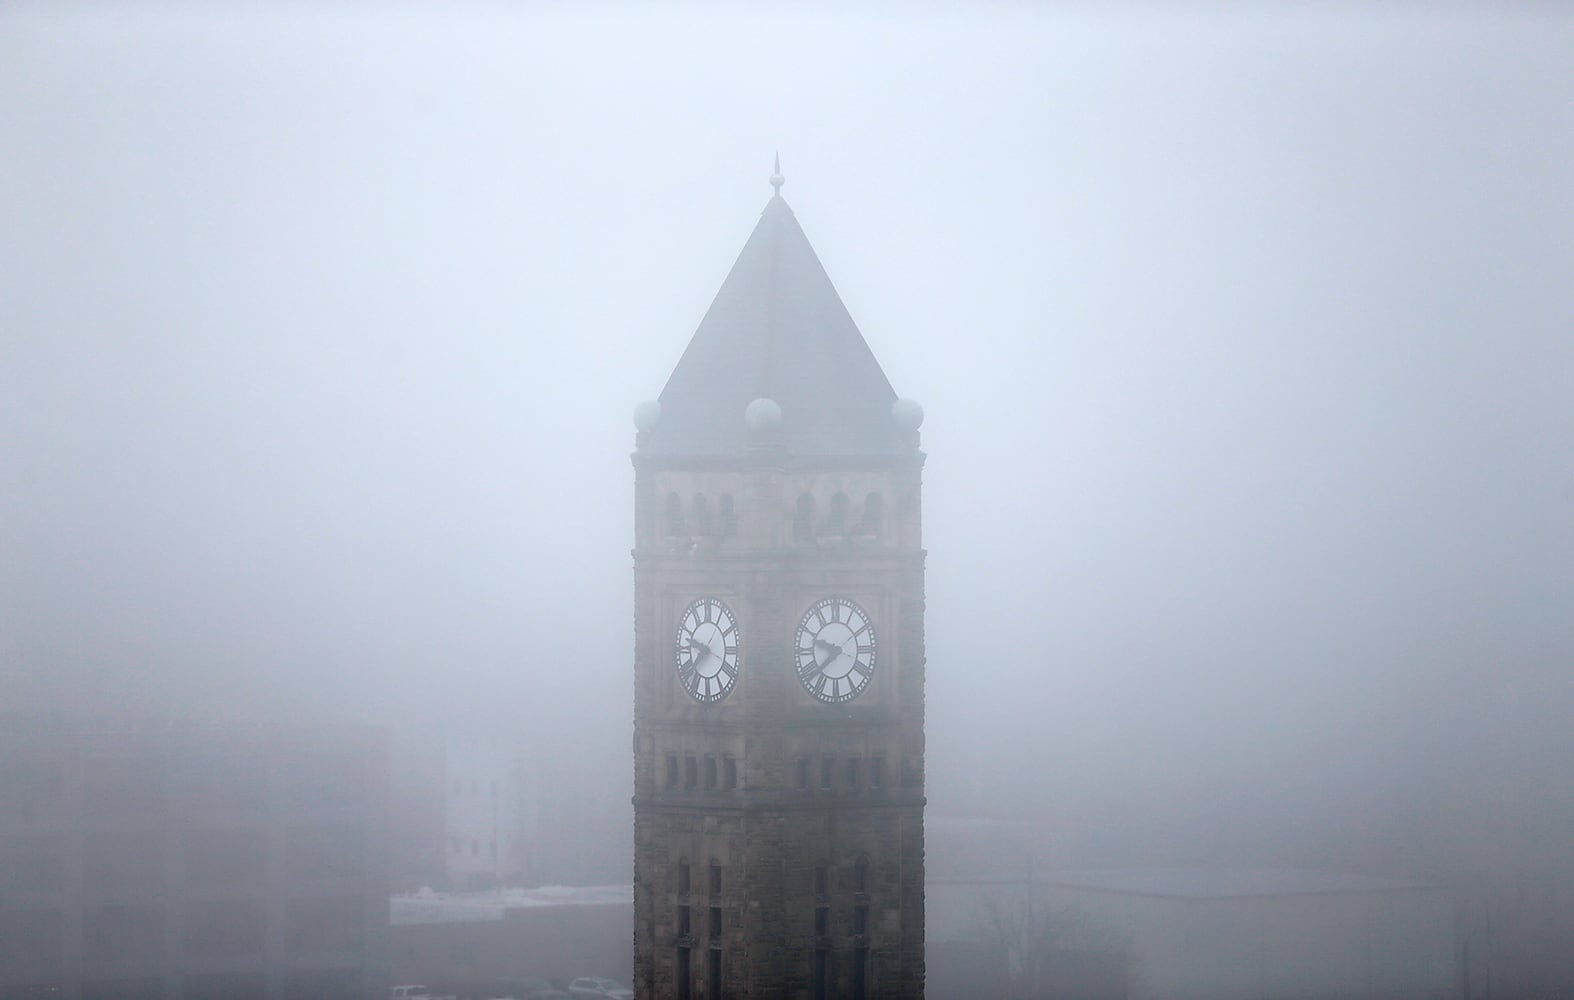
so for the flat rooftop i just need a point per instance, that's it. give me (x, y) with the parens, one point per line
(430, 907)
(1210, 883)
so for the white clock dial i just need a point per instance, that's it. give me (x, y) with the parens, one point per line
(707, 650)
(835, 650)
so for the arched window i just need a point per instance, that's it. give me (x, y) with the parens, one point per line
(675, 524)
(803, 519)
(836, 524)
(873, 508)
(727, 516)
(701, 515)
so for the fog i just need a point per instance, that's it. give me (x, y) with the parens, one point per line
(1244, 340)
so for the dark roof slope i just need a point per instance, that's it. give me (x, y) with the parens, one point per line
(777, 329)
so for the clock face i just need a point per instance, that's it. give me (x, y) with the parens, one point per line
(835, 650)
(707, 650)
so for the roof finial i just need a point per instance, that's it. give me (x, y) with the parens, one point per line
(777, 180)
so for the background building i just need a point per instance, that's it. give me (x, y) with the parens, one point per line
(190, 861)
(1207, 934)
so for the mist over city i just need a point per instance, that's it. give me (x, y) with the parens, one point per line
(1242, 339)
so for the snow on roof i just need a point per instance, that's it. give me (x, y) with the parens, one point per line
(430, 907)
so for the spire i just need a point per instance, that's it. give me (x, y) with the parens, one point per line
(778, 331)
(777, 180)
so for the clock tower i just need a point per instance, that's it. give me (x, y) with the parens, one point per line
(778, 651)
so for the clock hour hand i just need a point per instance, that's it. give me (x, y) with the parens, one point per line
(830, 646)
(704, 650)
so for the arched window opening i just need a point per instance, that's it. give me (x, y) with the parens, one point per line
(803, 519)
(873, 508)
(727, 516)
(836, 524)
(701, 515)
(675, 525)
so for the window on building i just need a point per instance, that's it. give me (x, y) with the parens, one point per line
(331, 923)
(873, 509)
(325, 851)
(860, 919)
(224, 928)
(876, 772)
(711, 779)
(685, 975)
(714, 930)
(715, 878)
(691, 771)
(730, 771)
(675, 525)
(836, 524)
(683, 877)
(803, 519)
(684, 930)
(702, 525)
(827, 771)
(853, 766)
(821, 880)
(822, 921)
(818, 978)
(860, 966)
(728, 516)
(672, 770)
(861, 875)
(803, 772)
(715, 974)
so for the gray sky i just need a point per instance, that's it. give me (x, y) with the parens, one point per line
(1244, 339)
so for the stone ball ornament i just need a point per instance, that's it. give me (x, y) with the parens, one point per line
(647, 415)
(762, 416)
(908, 414)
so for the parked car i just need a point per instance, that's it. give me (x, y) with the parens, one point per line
(413, 992)
(595, 986)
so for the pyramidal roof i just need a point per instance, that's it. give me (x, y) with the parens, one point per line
(777, 330)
